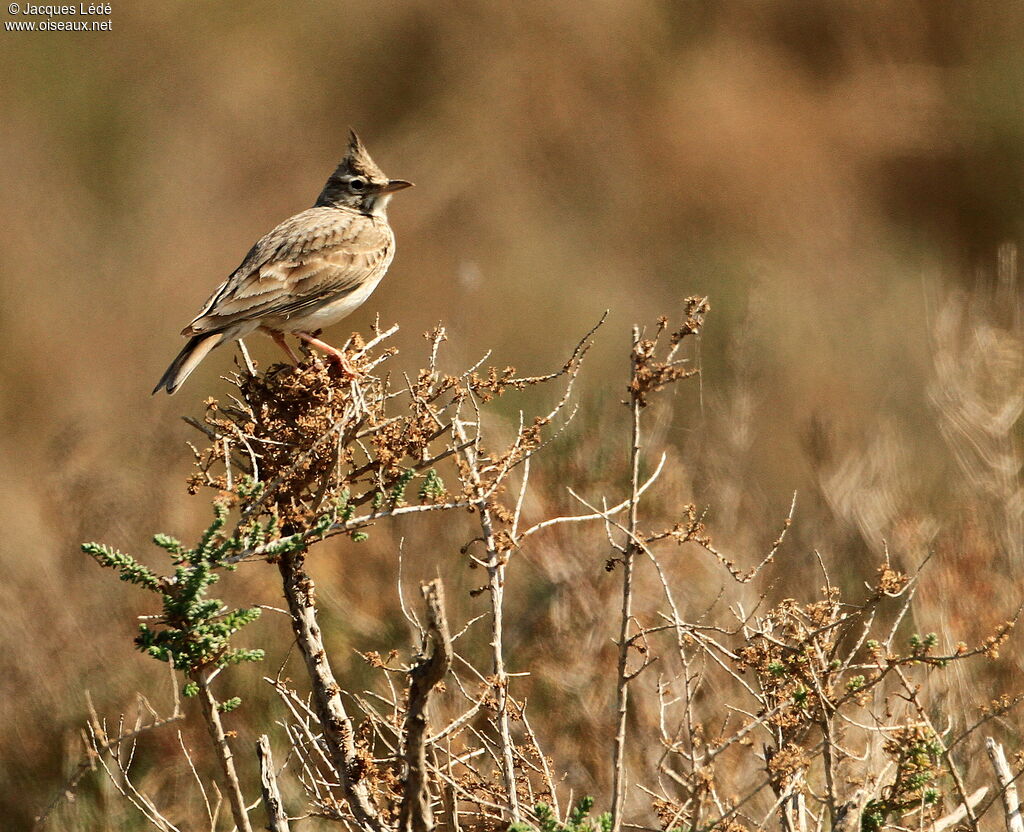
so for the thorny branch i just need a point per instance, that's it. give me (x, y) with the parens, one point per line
(763, 720)
(312, 452)
(277, 818)
(211, 715)
(338, 731)
(416, 813)
(648, 374)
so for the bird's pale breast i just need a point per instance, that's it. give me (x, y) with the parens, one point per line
(332, 311)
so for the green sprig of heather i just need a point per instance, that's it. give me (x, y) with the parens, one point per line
(192, 631)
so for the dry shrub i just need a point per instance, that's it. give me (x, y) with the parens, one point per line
(743, 711)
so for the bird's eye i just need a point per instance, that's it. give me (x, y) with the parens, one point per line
(357, 184)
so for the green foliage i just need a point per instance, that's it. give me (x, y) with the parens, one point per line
(345, 511)
(130, 569)
(396, 494)
(873, 818)
(248, 489)
(579, 819)
(921, 645)
(338, 514)
(168, 543)
(917, 753)
(192, 631)
(433, 486)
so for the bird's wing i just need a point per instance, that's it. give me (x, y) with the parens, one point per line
(313, 257)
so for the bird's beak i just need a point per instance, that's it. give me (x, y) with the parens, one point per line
(395, 185)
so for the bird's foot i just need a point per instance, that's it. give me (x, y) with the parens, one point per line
(340, 362)
(334, 356)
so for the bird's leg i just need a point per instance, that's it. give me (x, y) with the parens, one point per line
(282, 343)
(334, 355)
(307, 350)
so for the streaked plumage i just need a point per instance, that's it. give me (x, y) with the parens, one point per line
(310, 272)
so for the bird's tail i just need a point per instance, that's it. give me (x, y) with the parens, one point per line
(188, 359)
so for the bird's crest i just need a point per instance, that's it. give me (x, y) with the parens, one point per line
(357, 161)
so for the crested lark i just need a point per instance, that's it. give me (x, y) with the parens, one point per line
(309, 272)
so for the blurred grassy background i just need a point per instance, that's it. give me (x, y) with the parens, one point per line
(836, 176)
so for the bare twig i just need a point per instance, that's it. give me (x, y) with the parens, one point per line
(960, 812)
(99, 744)
(211, 715)
(496, 563)
(596, 515)
(277, 819)
(629, 552)
(1011, 805)
(330, 710)
(416, 813)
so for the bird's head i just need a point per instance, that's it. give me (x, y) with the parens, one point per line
(359, 184)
